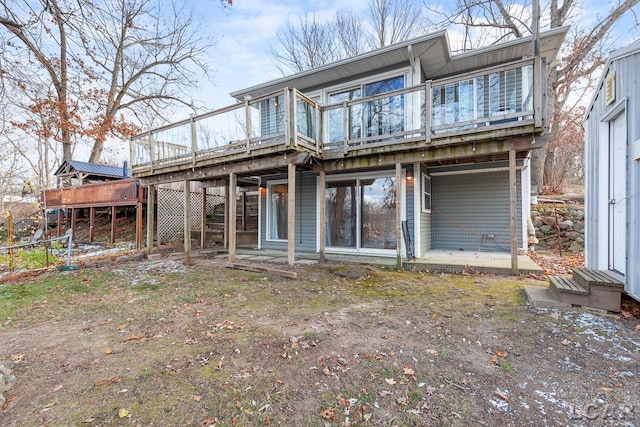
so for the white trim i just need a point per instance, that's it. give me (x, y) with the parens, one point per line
(422, 208)
(615, 111)
(330, 90)
(260, 207)
(525, 200)
(417, 209)
(268, 206)
(320, 192)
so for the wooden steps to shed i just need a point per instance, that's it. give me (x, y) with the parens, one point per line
(591, 288)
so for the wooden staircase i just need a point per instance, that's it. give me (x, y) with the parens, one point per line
(590, 288)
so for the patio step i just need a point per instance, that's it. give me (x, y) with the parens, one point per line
(588, 278)
(591, 288)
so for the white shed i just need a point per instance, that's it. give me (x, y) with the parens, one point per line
(613, 171)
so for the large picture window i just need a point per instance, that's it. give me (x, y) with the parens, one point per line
(278, 210)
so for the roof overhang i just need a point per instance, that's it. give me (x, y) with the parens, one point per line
(433, 51)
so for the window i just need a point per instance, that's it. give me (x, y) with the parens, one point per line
(426, 193)
(278, 210)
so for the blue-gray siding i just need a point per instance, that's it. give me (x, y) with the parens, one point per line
(425, 219)
(305, 226)
(471, 212)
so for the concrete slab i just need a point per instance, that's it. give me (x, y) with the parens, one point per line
(542, 297)
(306, 262)
(260, 258)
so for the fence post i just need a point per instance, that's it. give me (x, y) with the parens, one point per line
(10, 239)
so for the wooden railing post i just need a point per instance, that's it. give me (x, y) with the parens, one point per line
(247, 109)
(428, 111)
(345, 126)
(294, 116)
(317, 127)
(287, 118)
(151, 150)
(194, 139)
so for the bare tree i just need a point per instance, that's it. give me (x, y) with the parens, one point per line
(305, 43)
(102, 59)
(491, 21)
(394, 21)
(308, 42)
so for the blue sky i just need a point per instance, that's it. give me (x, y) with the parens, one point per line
(246, 34)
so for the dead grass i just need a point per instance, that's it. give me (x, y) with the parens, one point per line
(164, 344)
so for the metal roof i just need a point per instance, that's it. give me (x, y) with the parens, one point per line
(433, 51)
(94, 169)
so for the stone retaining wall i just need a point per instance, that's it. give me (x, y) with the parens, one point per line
(561, 223)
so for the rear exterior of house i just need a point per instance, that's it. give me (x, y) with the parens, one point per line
(613, 171)
(396, 152)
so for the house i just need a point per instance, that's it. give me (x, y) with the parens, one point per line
(396, 152)
(613, 171)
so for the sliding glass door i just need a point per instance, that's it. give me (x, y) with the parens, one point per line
(360, 213)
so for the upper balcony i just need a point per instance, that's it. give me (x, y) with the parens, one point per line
(493, 103)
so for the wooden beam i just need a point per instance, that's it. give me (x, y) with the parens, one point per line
(262, 269)
(151, 207)
(291, 216)
(432, 154)
(399, 215)
(322, 185)
(59, 223)
(74, 212)
(219, 169)
(187, 221)
(513, 211)
(203, 219)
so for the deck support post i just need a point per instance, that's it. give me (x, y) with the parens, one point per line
(513, 211)
(203, 219)
(59, 223)
(291, 215)
(151, 207)
(114, 212)
(232, 191)
(399, 215)
(187, 221)
(92, 222)
(139, 218)
(322, 183)
(74, 214)
(225, 225)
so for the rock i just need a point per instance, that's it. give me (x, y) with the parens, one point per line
(578, 215)
(580, 240)
(137, 256)
(578, 226)
(576, 247)
(546, 229)
(549, 220)
(537, 223)
(6, 382)
(573, 235)
(123, 258)
(154, 257)
(351, 271)
(565, 225)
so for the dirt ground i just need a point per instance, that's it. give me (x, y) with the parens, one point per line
(163, 344)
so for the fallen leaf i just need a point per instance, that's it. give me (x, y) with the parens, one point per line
(432, 352)
(502, 353)
(564, 342)
(196, 398)
(88, 420)
(494, 359)
(328, 414)
(408, 371)
(17, 358)
(638, 327)
(57, 388)
(6, 403)
(383, 393)
(122, 413)
(390, 381)
(108, 351)
(209, 421)
(503, 396)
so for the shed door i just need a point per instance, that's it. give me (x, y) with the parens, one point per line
(617, 193)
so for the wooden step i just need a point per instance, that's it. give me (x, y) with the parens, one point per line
(587, 278)
(567, 285)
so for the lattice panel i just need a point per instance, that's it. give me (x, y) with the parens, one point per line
(171, 212)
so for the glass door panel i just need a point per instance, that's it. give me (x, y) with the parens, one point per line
(378, 213)
(341, 214)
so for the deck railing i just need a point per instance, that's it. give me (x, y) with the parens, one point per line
(498, 97)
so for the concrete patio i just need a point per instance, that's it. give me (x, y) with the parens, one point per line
(436, 261)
